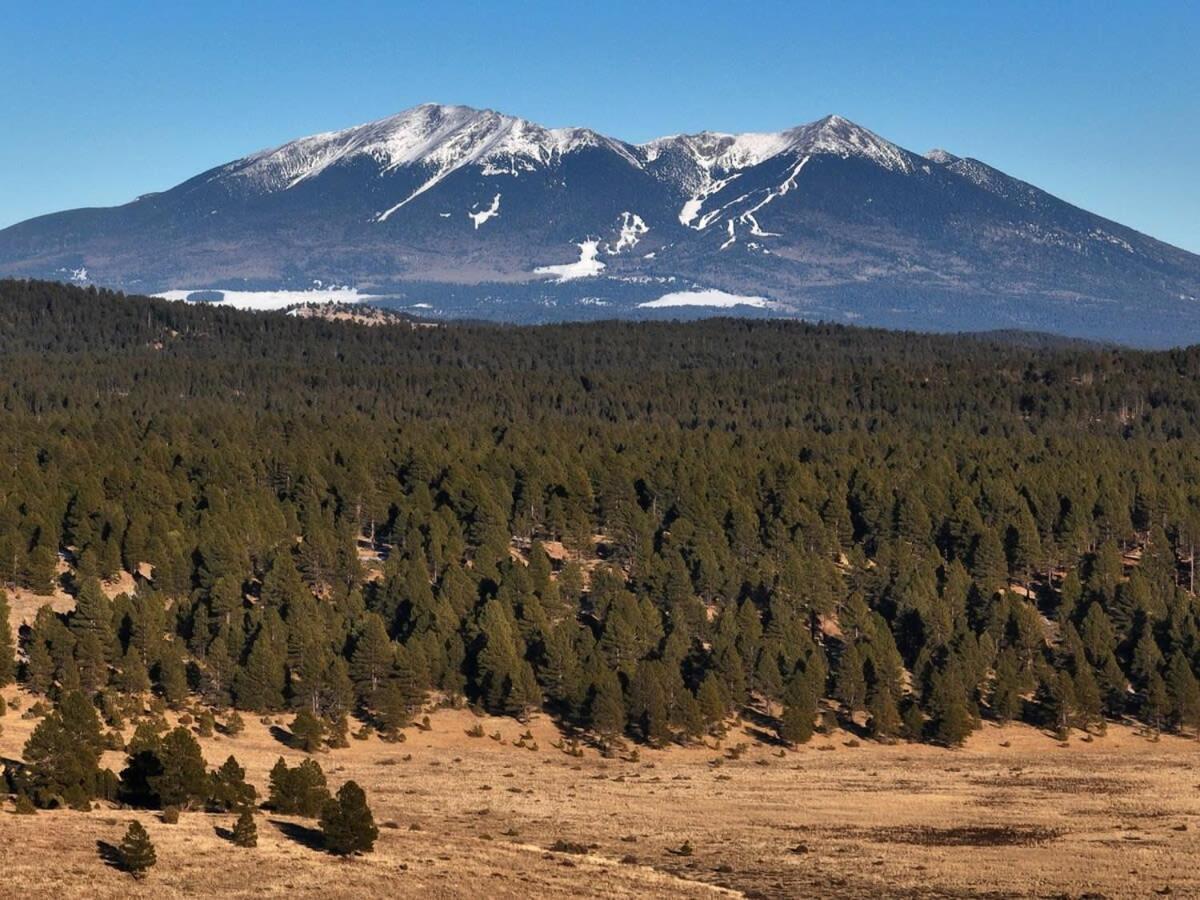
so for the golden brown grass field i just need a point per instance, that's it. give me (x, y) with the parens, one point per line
(1013, 814)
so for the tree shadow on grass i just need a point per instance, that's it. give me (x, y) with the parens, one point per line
(301, 834)
(110, 854)
(285, 737)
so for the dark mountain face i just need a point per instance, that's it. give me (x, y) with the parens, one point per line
(472, 213)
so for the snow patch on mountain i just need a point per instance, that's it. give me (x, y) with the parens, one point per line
(490, 213)
(732, 239)
(943, 157)
(586, 266)
(709, 297)
(632, 229)
(264, 301)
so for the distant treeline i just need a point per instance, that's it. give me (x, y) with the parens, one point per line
(802, 522)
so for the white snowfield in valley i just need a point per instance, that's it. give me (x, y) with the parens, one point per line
(710, 297)
(586, 266)
(265, 301)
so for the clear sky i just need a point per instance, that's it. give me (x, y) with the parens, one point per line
(1097, 102)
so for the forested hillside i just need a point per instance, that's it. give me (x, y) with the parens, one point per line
(643, 528)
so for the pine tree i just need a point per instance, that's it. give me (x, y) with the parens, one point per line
(1088, 704)
(62, 755)
(259, 684)
(7, 652)
(1006, 687)
(228, 790)
(948, 705)
(606, 711)
(393, 708)
(142, 764)
(172, 677)
(1059, 692)
(136, 851)
(301, 791)
(41, 571)
(245, 832)
(885, 714)
(307, 731)
(712, 702)
(648, 705)
(499, 657)
(1154, 701)
(797, 723)
(346, 822)
(183, 780)
(1183, 691)
(372, 659)
(525, 694)
(851, 687)
(39, 667)
(989, 566)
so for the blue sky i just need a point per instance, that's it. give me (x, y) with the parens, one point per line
(1096, 102)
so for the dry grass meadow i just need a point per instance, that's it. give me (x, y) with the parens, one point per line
(1013, 814)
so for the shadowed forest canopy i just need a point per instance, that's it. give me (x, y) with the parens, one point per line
(641, 527)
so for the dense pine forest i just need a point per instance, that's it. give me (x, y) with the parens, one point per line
(643, 529)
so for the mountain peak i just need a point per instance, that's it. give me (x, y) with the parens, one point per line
(940, 156)
(839, 136)
(441, 136)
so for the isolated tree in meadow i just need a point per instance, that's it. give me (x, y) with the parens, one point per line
(245, 831)
(307, 731)
(299, 791)
(136, 852)
(346, 822)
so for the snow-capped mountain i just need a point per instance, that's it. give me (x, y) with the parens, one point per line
(473, 212)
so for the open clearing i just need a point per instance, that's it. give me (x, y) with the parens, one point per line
(462, 816)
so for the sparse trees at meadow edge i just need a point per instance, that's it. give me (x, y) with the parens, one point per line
(799, 518)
